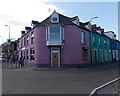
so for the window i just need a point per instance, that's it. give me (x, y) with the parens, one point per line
(27, 40)
(113, 53)
(24, 41)
(94, 39)
(27, 54)
(55, 17)
(101, 56)
(110, 57)
(82, 37)
(54, 33)
(99, 41)
(32, 37)
(106, 55)
(95, 55)
(32, 54)
(105, 43)
(85, 54)
(21, 43)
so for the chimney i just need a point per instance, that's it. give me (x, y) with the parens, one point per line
(34, 23)
(27, 29)
(99, 28)
(22, 33)
(94, 25)
(102, 30)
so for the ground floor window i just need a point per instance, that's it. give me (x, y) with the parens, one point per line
(27, 54)
(110, 57)
(113, 53)
(32, 54)
(106, 55)
(85, 54)
(116, 53)
(101, 56)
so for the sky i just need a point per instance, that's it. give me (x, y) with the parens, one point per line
(19, 13)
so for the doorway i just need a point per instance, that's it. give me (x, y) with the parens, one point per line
(55, 57)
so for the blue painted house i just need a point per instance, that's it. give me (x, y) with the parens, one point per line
(118, 47)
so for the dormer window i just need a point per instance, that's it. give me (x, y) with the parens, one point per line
(55, 17)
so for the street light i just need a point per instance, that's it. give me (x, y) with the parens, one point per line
(90, 27)
(9, 41)
(9, 30)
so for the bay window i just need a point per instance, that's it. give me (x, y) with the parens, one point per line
(54, 33)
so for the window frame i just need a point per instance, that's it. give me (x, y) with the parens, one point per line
(94, 39)
(48, 33)
(83, 41)
(105, 43)
(32, 38)
(32, 54)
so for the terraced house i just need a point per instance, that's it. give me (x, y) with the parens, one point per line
(58, 41)
(61, 41)
(100, 46)
(114, 45)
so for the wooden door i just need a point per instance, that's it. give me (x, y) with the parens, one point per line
(55, 59)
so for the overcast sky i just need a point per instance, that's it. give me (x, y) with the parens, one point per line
(19, 13)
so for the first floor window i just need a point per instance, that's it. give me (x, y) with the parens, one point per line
(27, 40)
(105, 43)
(54, 33)
(85, 54)
(94, 39)
(32, 54)
(82, 37)
(32, 37)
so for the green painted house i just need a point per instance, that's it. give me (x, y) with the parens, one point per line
(100, 46)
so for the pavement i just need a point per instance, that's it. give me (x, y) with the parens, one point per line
(31, 80)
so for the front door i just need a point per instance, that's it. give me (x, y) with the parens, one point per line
(55, 59)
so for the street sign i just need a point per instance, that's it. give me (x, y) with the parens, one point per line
(9, 41)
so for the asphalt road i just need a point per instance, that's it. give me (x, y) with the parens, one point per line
(30, 80)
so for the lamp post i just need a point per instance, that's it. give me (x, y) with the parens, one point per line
(90, 27)
(8, 42)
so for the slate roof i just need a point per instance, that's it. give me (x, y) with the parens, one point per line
(62, 20)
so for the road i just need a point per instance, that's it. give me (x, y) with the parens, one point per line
(30, 80)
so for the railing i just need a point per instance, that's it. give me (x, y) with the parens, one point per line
(110, 88)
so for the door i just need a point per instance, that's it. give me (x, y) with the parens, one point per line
(55, 59)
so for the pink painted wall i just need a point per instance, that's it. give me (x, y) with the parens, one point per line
(71, 53)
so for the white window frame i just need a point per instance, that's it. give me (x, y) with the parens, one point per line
(113, 52)
(100, 51)
(106, 55)
(83, 37)
(99, 40)
(55, 15)
(48, 33)
(105, 42)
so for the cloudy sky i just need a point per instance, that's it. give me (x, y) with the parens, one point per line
(19, 13)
